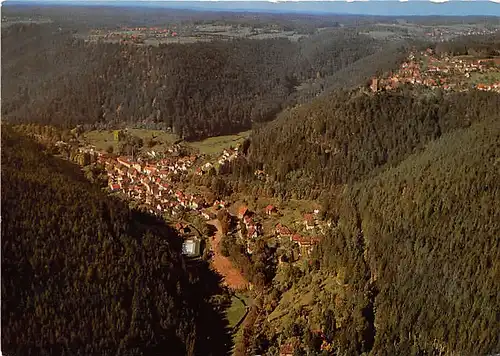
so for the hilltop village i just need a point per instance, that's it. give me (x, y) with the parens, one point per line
(132, 35)
(442, 34)
(457, 73)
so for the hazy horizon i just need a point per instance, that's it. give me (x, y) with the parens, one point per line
(349, 7)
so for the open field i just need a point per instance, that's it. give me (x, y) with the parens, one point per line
(381, 35)
(217, 144)
(6, 21)
(102, 139)
(187, 34)
(236, 311)
(158, 41)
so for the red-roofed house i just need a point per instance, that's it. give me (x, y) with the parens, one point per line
(287, 350)
(125, 161)
(309, 221)
(270, 209)
(252, 232)
(150, 170)
(114, 187)
(305, 243)
(282, 230)
(248, 221)
(242, 212)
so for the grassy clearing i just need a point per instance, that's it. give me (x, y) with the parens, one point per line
(102, 139)
(485, 78)
(237, 310)
(160, 136)
(380, 35)
(215, 145)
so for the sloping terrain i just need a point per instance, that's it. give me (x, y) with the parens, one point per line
(412, 265)
(196, 90)
(348, 136)
(82, 274)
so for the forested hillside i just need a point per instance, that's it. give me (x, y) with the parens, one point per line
(411, 266)
(198, 89)
(84, 275)
(349, 136)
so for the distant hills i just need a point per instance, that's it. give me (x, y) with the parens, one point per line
(372, 8)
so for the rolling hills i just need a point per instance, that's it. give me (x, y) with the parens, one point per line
(195, 90)
(410, 265)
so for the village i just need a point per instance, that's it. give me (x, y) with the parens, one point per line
(132, 35)
(458, 73)
(443, 33)
(156, 182)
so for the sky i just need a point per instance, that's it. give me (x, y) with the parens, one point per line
(354, 7)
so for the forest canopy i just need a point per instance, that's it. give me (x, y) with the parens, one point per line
(351, 135)
(410, 265)
(82, 274)
(197, 90)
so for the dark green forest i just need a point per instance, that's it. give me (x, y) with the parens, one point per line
(351, 135)
(84, 275)
(198, 90)
(411, 263)
(408, 180)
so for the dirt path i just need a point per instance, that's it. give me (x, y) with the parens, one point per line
(232, 276)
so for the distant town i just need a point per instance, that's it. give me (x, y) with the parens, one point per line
(459, 73)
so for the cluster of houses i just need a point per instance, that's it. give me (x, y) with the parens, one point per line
(227, 156)
(137, 34)
(440, 34)
(252, 230)
(307, 242)
(448, 73)
(152, 183)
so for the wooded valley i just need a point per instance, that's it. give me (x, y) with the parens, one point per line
(405, 182)
(196, 90)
